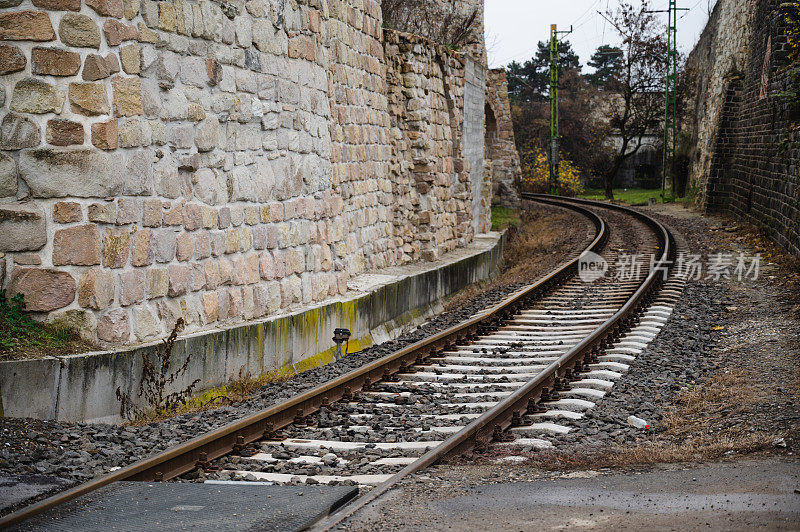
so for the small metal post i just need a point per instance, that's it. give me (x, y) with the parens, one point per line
(341, 336)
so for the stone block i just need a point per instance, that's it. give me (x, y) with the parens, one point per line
(26, 26)
(65, 212)
(116, 32)
(127, 96)
(145, 324)
(33, 95)
(152, 215)
(213, 278)
(88, 99)
(131, 8)
(130, 133)
(12, 59)
(130, 58)
(22, 227)
(54, 62)
(98, 67)
(79, 31)
(225, 271)
(102, 213)
(185, 247)
(235, 303)
(165, 243)
(116, 247)
(202, 245)
(27, 259)
(209, 187)
(142, 252)
(58, 5)
(214, 72)
(168, 69)
(157, 282)
(211, 307)
(174, 214)
(105, 135)
(167, 18)
(138, 177)
(179, 277)
(44, 289)
(192, 216)
(79, 246)
(224, 217)
(207, 134)
(81, 173)
(146, 34)
(8, 177)
(114, 327)
(61, 132)
(131, 287)
(129, 211)
(81, 321)
(107, 8)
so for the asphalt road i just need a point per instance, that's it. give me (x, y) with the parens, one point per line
(759, 494)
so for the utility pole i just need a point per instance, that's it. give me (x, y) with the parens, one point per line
(670, 95)
(552, 148)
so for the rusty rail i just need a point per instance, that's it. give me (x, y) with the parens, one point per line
(185, 457)
(499, 417)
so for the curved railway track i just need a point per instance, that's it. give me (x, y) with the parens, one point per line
(506, 374)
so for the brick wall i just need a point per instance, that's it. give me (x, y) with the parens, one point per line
(747, 158)
(216, 162)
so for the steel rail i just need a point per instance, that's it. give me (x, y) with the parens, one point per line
(524, 399)
(187, 456)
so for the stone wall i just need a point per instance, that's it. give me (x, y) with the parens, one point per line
(474, 143)
(430, 173)
(747, 157)
(502, 158)
(218, 162)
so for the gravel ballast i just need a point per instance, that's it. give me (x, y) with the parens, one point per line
(81, 451)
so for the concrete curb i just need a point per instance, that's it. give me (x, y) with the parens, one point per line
(83, 387)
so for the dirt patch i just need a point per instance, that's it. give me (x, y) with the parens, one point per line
(547, 237)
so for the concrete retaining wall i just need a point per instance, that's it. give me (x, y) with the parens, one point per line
(82, 387)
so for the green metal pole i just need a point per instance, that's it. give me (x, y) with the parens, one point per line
(552, 149)
(670, 96)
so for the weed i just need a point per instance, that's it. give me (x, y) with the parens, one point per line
(156, 379)
(23, 337)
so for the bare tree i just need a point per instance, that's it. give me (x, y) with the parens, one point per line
(446, 22)
(636, 90)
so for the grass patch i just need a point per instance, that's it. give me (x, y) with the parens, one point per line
(503, 217)
(630, 196)
(642, 454)
(232, 393)
(23, 337)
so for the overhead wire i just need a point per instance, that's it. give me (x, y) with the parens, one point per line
(591, 7)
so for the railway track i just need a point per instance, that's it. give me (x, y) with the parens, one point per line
(505, 377)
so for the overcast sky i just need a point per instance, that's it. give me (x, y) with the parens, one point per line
(513, 27)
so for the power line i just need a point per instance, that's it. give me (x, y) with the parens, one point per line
(591, 7)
